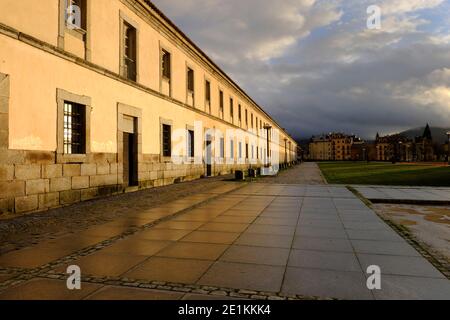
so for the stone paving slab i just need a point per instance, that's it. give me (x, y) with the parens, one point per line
(322, 282)
(434, 194)
(47, 289)
(314, 241)
(404, 287)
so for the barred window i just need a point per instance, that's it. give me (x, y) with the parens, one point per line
(167, 140)
(74, 128)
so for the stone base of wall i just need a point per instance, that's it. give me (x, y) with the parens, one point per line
(32, 181)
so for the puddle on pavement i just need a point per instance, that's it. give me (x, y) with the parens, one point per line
(407, 222)
(429, 224)
(439, 215)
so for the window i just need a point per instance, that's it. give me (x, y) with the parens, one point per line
(190, 87)
(208, 91)
(222, 147)
(246, 117)
(129, 51)
(74, 128)
(239, 113)
(191, 144)
(257, 152)
(167, 140)
(252, 120)
(246, 150)
(231, 109)
(221, 103)
(78, 21)
(240, 150)
(165, 64)
(208, 95)
(190, 80)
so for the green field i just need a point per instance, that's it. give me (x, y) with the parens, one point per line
(385, 174)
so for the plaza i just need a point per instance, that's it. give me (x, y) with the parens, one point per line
(263, 240)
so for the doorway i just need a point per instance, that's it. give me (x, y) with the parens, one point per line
(130, 153)
(208, 156)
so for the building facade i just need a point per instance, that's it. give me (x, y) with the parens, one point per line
(341, 146)
(397, 147)
(100, 96)
(320, 148)
(333, 147)
(360, 150)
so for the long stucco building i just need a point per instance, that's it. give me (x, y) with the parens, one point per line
(100, 96)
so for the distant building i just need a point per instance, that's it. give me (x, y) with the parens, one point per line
(398, 147)
(320, 148)
(336, 147)
(360, 150)
(424, 150)
(341, 146)
(394, 147)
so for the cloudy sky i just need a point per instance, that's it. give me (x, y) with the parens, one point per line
(316, 67)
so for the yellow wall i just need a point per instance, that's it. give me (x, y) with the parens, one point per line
(36, 18)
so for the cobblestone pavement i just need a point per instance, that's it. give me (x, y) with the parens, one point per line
(305, 173)
(234, 241)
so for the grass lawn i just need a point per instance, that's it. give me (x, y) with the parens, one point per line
(378, 173)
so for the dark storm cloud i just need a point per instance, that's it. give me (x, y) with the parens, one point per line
(315, 67)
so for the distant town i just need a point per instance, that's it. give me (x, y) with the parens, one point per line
(398, 147)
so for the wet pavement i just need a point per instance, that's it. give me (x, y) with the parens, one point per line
(262, 240)
(429, 224)
(25, 230)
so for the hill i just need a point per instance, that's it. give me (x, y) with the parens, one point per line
(439, 134)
